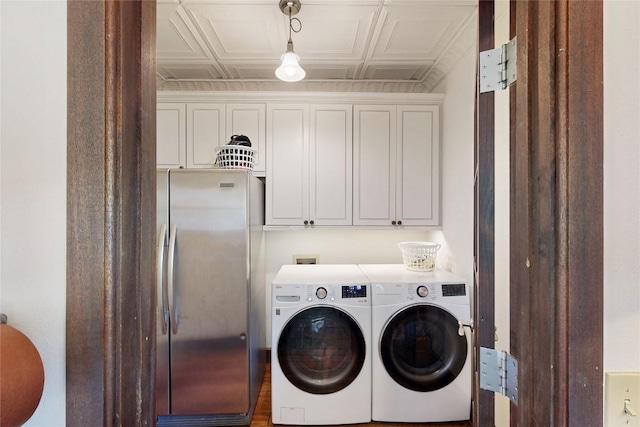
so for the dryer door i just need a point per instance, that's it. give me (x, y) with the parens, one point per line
(421, 349)
(321, 350)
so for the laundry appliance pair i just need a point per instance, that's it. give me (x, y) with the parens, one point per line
(355, 343)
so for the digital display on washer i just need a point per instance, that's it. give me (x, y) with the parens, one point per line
(453, 290)
(354, 291)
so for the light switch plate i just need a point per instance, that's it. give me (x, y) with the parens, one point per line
(621, 386)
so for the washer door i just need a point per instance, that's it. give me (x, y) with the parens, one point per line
(421, 349)
(321, 350)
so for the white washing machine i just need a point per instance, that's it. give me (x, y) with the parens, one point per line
(421, 362)
(321, 339)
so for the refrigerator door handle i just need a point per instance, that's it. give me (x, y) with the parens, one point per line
(161, 295)
(173, 309)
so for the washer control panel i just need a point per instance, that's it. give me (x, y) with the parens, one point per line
(349, 293)
(436, 291)
(324, 293)
(422, 291)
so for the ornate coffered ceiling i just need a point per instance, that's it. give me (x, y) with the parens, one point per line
(350, 45)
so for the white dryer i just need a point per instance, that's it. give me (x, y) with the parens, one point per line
(422, 354)
(320, 355)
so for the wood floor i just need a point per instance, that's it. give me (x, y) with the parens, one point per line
(262, 415)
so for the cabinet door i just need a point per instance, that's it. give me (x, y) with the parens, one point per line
(171, 143)
(330, 164)
(418, 178)
(249, 120)
(374, 164)
(205, 132)
(287, 184)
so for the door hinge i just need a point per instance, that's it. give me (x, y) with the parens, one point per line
(498, 67)
(499, 373)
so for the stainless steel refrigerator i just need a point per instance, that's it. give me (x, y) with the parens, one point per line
(211, 301)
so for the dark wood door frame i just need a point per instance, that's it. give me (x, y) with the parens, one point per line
(111, 104)
(556, 223)
(557, 212)
(484, 223)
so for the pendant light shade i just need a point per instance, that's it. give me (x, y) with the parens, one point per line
(290, 69)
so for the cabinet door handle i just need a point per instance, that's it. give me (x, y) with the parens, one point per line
(393, 222)
(399, 222)
(311, 222)
(306, 222)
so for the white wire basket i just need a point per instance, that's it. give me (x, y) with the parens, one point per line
(235, 157)
(419, 256)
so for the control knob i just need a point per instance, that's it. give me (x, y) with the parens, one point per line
(422, 291)
(321, 293)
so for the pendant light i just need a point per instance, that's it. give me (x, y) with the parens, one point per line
(290, 70)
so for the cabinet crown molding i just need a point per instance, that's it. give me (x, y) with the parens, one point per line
(307, 97)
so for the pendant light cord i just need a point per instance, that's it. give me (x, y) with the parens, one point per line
(291, 24)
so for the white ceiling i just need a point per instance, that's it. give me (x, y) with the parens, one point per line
(396, 45)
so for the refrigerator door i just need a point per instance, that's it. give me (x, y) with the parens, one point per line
(162, 308)
(209, 357)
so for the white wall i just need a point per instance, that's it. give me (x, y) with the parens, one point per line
(457, 162)
(33, 186)
(621, 186)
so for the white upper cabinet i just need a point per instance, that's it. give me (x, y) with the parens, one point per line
(396, 165)
(418, 160)
(189, 133)
(330, 164)
(205, 132)
(287, 183)
(249, 120)
(328, 159)
(309, 154)
(171, 127)
(374, 164)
